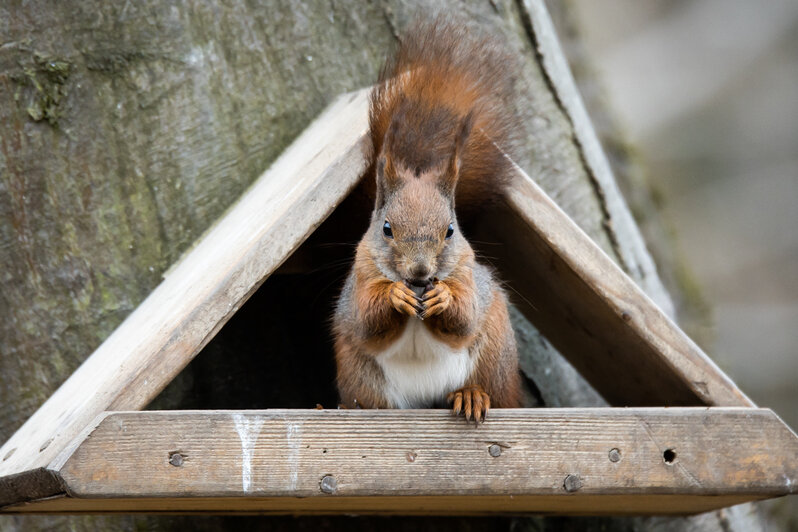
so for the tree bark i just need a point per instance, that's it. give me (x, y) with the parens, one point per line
(127, 128)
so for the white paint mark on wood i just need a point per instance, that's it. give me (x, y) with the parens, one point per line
(248, 429)
(293, 436)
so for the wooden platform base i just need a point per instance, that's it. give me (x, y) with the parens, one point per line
(587, 461)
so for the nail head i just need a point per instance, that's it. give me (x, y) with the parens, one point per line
(572, 483)
(328, 484)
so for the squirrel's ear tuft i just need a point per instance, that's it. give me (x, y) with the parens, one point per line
(460, 140)
(386, 173)
(381, 168)
(386, 178)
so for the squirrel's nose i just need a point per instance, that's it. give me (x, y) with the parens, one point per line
(420, 272)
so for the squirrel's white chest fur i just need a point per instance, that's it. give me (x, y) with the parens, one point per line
(420, 370)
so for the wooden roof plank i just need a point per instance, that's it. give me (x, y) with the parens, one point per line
(598, 318)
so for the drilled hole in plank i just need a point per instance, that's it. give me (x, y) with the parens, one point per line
(669, 456)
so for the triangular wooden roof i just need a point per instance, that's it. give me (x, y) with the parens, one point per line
(79, 453)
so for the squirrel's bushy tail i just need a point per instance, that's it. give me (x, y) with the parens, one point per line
(443, 74)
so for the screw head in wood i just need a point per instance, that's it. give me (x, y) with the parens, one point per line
(328, 484)
(176, 459)
(495, 450)
(9, 453)
(572, 483)
(615, 455)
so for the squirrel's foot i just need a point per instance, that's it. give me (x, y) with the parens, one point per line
(343, 406)
(436, 300)
(472, 401)
(404, 300)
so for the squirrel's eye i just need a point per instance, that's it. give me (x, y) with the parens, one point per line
(386, 229)
(449, 231)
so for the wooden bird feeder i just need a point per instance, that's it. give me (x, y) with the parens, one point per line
(680, 438)
(89, 448)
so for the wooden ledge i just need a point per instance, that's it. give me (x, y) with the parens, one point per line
(565, 460)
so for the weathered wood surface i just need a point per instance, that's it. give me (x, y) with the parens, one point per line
(598, 318)
(199, 295)
(720, 455)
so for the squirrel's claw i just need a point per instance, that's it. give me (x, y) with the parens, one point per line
(404, 300)
(472, 401)
(436, 300)
(457, 399)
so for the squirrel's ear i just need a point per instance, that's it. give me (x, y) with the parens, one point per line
(460, 140)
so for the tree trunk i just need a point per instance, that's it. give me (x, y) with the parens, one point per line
(127, 128)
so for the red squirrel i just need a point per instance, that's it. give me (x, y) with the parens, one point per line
(419, 320)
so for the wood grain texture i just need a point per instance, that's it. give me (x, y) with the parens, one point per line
(205, 288)
(709, 452)
(29, 485)
(596, 316)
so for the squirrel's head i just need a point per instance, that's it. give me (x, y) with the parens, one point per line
(414, 221)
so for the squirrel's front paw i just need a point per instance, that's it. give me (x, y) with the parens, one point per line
(436, 300)
(404, 300)
(472, 401)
